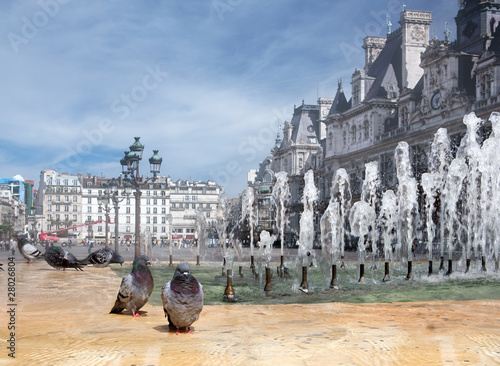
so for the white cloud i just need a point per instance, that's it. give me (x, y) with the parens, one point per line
(225, 83)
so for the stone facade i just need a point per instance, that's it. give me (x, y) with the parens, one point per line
(168, 208)
(409, 87)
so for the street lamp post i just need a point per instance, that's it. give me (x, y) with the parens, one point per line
(103, 200)
(130, 169)
(114, 198)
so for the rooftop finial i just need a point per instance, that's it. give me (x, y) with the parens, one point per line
(404, 6)
(340, 85)
(447, 32)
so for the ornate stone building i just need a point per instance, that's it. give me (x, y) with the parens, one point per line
(409, 87)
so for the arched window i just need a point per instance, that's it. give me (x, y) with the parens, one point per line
(330, 141)
(344, 138)
(366, 129)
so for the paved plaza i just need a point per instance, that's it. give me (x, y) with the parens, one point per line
(62, 318)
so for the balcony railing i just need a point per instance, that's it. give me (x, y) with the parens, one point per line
(394, 133)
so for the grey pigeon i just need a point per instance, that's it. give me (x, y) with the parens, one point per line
(182, 298)
(59, 258)
(102, 257)
(135, 289)
(27, 250)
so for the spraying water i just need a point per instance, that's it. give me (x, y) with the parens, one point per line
(248, 211)
(306, 233)
(490, 195)
(407, 201)
(281, 196)
(369, 193)
(388, 222)
(433, 185)
(266, 246)
(334, 218)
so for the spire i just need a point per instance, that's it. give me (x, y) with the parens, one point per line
(340, 89)
(278, 139)
(389, 25)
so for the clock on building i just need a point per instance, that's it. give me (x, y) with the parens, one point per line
(436, 100)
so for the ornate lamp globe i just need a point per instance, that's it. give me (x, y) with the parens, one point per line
(155, 162)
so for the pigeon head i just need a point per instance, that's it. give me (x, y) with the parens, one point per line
(141, 261)
(182, 269)
(57, 250)
(117, 258)
(22, 238)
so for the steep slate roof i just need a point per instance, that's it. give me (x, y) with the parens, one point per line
(303, 117)
(417, 90)
(387, 67)
(340, 103)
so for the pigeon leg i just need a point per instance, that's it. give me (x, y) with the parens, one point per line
(135, 315)
(177, 332)
(189, 330)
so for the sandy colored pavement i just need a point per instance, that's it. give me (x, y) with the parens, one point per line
(62, 318)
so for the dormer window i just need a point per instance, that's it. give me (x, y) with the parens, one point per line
(392, 91)
(355, 95)
(312, 140)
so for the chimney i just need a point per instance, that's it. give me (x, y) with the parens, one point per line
(372, 46)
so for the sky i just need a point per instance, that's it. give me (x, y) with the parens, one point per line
(208, 83)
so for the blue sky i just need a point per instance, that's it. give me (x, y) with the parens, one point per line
(205, 82)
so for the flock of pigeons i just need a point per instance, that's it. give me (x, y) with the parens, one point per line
(182, 296)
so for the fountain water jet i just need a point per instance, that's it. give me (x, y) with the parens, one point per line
(333, 222)
(387, 223)
(281, 196)
(305, 256)
(248, 211)
(407, 203)
(361, 217)
(266, 249)
(221, 226)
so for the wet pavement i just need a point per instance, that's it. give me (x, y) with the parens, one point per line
(62, 318)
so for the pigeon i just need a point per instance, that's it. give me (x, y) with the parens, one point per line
(102, 257)
(135, 289)
(28, 250)
(59, 258)
(182, 298)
